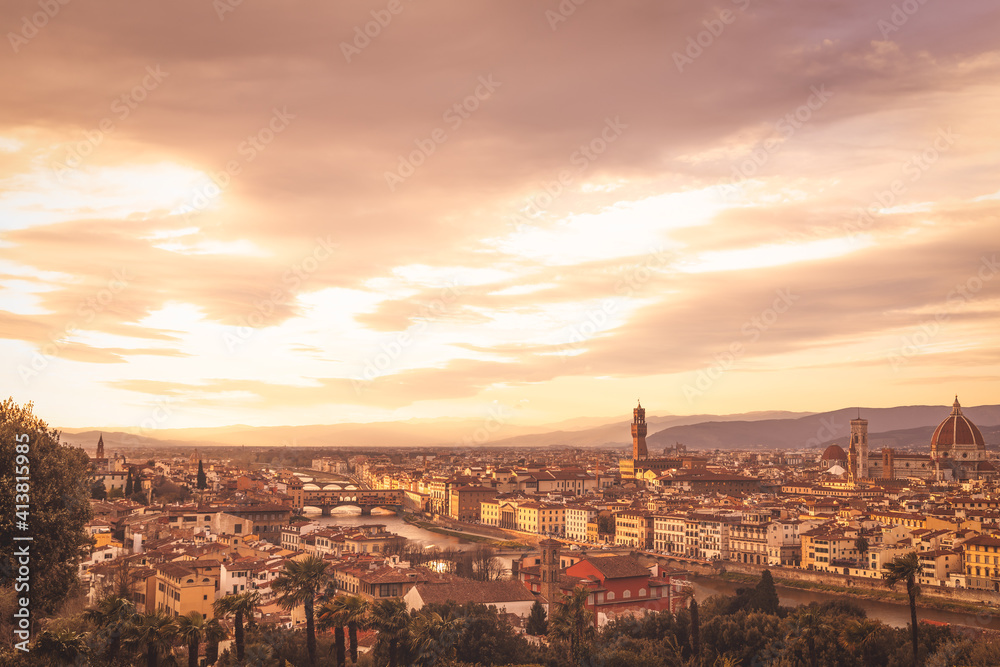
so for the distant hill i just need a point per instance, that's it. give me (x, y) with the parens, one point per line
(820, 429)
(908, 426)
(618, 433)
(410, 433)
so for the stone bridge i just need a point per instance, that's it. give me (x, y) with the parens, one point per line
(366, 499)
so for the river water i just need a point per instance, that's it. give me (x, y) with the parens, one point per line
(896, 615)
(350, 516)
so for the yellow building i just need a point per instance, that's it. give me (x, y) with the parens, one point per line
(829, 549)
(633, 529)
(910, 520)
(982, 562)
(181, 589)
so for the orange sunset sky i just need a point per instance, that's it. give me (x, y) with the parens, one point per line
(316, 212)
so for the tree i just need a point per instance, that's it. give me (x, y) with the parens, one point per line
(191, 629)
(388, 616)
(202, 480)
(214, 633)
(353, 610)
(129, 488)
(240, 607)
(810, 622)
(864, 636)
(861, 544)
(906, 569)
(299, 584)
(113, 617)
(434, 635)
(64, 647)
(537, 625)
(98, 491)
(485, 564)
(155, 633)
(573, 621)
(58, 491)
(766, 594)
(330, 615)
(687, 596)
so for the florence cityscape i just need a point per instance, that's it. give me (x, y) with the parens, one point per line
(555, 334)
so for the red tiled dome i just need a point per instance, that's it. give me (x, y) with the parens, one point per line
(834, 453)
(957, 430)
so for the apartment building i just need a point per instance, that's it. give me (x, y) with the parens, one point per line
(181, 589)
(577, 518)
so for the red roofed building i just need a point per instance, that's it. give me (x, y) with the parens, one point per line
(617, 585)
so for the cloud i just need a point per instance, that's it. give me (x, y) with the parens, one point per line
(241, 194)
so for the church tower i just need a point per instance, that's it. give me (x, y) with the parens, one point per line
(639, 450)
(100, 446)
(550, 573)
(859, 440)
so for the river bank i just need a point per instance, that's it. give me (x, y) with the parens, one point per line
(887, 596)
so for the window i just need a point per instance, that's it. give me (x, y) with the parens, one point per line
(611, 595)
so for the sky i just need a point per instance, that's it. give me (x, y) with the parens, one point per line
(230, 212)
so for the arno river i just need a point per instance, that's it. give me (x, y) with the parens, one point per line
(892, 614)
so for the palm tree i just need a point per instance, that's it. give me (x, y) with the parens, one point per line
(390, 619)
(299, 584)
(687, 597)
(214, 633)
(354, 610)
(64, 647)
(863, 634)
(329, 615)
(240, 607)
(906, 568)
(434, 635)
(573, 621)
(191, 629)
(810, 622)
(155, 632)
(113, 615)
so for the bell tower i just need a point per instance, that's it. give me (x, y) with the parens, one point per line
(550, 573)
(639, 450)
(859, 441)
(100, 446)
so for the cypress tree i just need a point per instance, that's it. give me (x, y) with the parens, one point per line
(129, 488)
